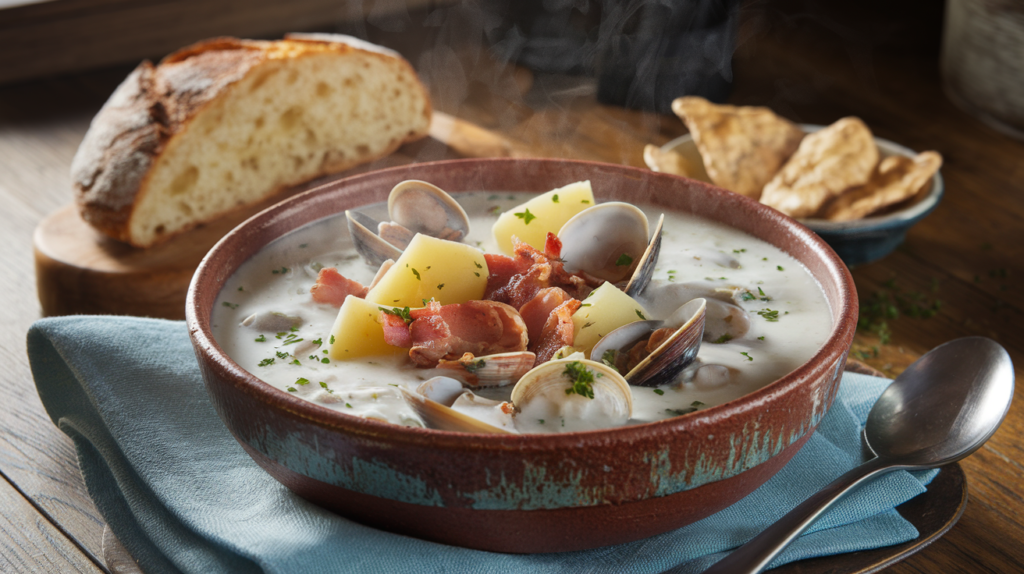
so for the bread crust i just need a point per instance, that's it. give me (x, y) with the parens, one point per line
(155, 104)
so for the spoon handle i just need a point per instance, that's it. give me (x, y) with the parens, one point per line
(759, 551)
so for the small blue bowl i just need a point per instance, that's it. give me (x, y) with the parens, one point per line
(856, 242)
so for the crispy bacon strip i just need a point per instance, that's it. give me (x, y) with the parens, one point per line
(533, 271)
(449, 331)
(557, 331)
(535, 313)
(332, 287)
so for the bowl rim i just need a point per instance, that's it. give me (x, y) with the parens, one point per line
(902, 218)
(831, 353)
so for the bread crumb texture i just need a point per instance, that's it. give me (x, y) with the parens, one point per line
(227, 123)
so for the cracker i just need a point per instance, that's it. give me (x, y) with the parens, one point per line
(897, 178)
(827, 163)
(742, 147)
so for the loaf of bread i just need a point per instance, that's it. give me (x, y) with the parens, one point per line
(226, 123)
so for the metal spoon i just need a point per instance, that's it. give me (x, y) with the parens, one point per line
(938, 411)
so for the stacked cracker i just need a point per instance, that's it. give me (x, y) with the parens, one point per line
(833, 174)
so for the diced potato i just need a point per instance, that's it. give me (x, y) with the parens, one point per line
(531, 221)
(606, 309)
(357, 332)
(446, 271)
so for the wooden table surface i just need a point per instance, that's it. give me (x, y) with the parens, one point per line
(964, 260)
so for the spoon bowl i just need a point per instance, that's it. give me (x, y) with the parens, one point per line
(944, 406)
(938, 411)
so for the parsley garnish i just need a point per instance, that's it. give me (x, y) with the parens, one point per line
(230, 305)
(291, 389)
(478, 266)
(747, 296)
(608, 358)
(582, 380)
(761, 338)
(494, 210)
(739, 250)
(623, 260)
(584, 201)
(659, 392)
(302, 381)
(554, 198)
(769, 315)
(325, 360)
(281, 355)
(403, 313)
(639, 314)
(779, 267)
(266, 362)
(749, 358)
(332, 339)
(416, 273)
(261, 339)
(280, 271)
(440, 286)
(475, 365)
(348, 405)
(317, 342)
(295, 362)
(324, 385)
(723, 339)
(526, 216)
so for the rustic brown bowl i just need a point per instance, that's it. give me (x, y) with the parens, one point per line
(525, 493)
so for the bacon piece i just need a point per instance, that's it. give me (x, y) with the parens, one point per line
(534, 271)
(478, 327)
(535, 313)
(501, 269)
(332, 287)
(557, 331)
(396, 330)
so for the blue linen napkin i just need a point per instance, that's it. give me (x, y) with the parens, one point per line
(182, 495)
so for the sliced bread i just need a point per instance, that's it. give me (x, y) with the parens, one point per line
(226, 123)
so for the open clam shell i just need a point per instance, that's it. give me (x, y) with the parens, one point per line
(373, 249)
(496, 370)
(414, 206)
(547, 400)
(423, 207)
(440, 416)
(674, 354)
(610, 241)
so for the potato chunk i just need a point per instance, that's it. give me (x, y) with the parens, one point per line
(446, 271)
(531, 221)
(606, 309)
(357, 332)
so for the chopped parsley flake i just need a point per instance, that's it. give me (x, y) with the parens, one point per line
(608, 358)
(623, 260)
(231, 305)
(240, 289)
(476, 273)
(291, 389)
(280, 271)
(440, 286)
(554, 198)
(584, 201)
(261, 339)
(404, 313)
(302, 381)
(761, 338)
(416, 273)
(769, 315)
(478, 266)
(324, 386)
(281, 355)
(779, 267)
(266, 362)
(348, 405)
(639, 314)
(332, 339)
(475, 366)
(317, 342)
(739, 250)
(659, 392)
(494, 210)
(723, 339)
(526, 216)
(745, 354)
(747, 296)
(290, 341)
(325, 360)
(582, 380)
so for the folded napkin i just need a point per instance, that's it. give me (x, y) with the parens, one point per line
(182, 496)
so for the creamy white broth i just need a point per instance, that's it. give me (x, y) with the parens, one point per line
(697, 256)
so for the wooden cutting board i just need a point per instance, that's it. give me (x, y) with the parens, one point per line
(80, 271)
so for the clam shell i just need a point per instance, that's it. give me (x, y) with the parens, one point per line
(541, 395)
(671, 357)
(423, 207)
(596, 239)
(498, 370)
(441, 417)
(373, 249)
(645, 268)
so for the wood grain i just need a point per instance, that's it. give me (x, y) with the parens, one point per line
(811, 60)
(29, 542)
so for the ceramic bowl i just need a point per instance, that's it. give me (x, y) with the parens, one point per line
(859, 241)
(525, 493)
